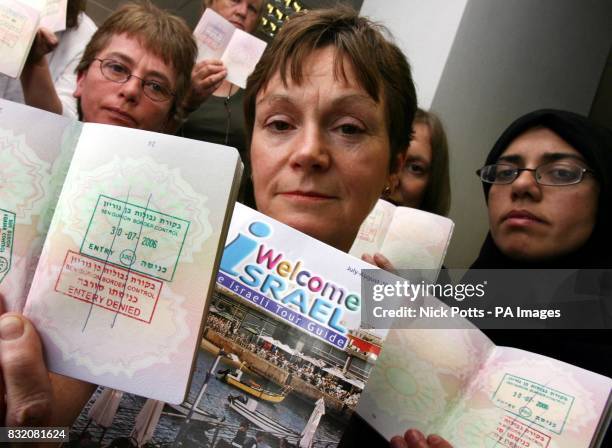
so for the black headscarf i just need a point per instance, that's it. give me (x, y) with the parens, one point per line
(594, 142)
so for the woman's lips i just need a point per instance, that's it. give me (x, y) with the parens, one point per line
(121, 117)
(306, 195)
(522, 218)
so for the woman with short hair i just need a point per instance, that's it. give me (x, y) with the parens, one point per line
(328, 110)
(160, 34)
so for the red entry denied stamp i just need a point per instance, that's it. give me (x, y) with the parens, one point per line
(513, 433)
(108, 286)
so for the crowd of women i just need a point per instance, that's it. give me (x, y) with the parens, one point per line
(328, 128)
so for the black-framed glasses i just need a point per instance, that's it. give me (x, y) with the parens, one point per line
(553, 173)
(117, 72)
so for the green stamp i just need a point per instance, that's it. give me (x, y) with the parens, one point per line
(7, 231)
(135, 237)
(534, 402)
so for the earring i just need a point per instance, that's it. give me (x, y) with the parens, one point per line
(387, 191)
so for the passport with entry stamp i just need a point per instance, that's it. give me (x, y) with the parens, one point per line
(109, 240)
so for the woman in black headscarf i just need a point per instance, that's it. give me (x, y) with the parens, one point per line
(590, 147)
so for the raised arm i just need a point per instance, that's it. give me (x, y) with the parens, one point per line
(206, 77)
(36, 81)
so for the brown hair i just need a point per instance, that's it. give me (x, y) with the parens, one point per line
(437, 197)
(163, 34)
(380, 66)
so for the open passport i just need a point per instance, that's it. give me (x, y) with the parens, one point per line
(19, 21)
(109, 242)
(458, 384)
(409, 238)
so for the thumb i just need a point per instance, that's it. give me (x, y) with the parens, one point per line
(27, 387)
(383, 262)
(436, 441)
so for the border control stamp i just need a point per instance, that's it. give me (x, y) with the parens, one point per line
(371, 226)
(110, 287)
(536, 403)
(7, 232)
(13, 22)
(135, 237)
(512, 433)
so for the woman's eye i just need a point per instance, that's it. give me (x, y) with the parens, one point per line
(117, 68)
(157, 87)
(279, 125)
(505, 173)
(415, 168)
(559, 173)
(350, 129)
(562, 173)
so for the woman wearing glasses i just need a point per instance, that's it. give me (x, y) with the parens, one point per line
(549, 192)
(547, 187)
(135, 71)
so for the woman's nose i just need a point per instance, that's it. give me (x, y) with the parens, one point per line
(311, 151)
(525, 185)
(131, 89)
(242, 8)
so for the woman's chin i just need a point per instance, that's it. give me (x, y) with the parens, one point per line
(531, 254)
(534, 250)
